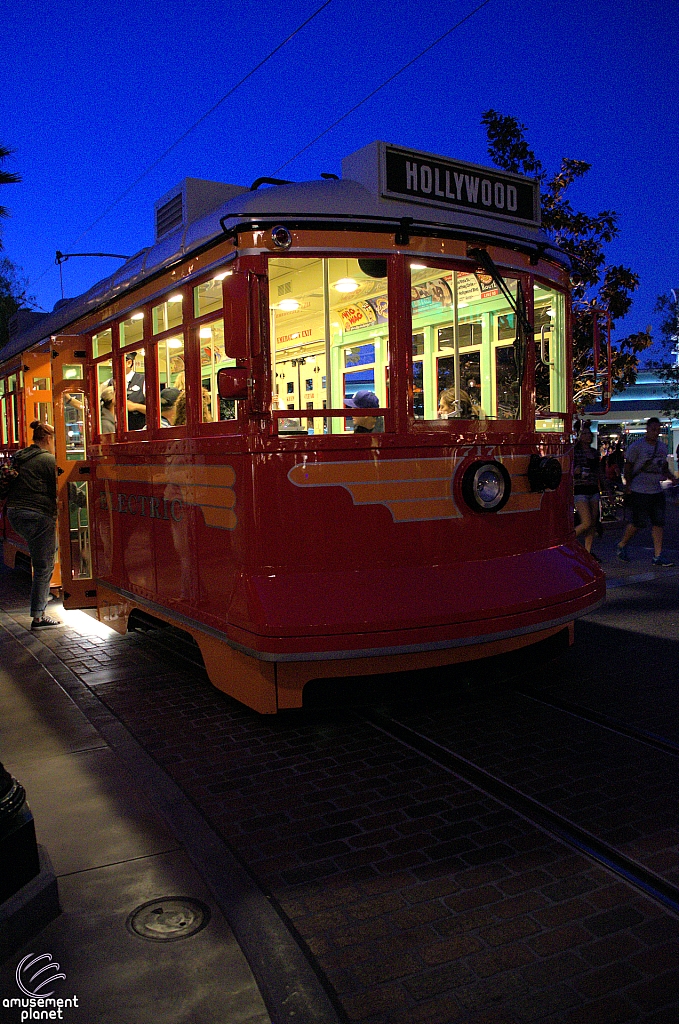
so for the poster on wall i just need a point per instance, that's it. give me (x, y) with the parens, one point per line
(472, 287)
(365, 313)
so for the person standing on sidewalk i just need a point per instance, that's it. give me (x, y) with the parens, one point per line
(32, 512)
(645, 466)
(586, 474)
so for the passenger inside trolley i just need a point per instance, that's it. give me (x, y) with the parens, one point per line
(168, 406)
(365, 400)
(452, 408)
(107, 411)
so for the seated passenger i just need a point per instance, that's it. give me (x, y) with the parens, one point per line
(107, 412)
(207, 407)
(364, 400)
(180, 410)
(451, 408)
(168, 406)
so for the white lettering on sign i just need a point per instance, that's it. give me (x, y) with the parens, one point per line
(411, 175)
(472, 186)
(438, 182)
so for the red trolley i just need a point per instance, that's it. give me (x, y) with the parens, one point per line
(324, 427)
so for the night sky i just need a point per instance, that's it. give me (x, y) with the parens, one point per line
(94, 93)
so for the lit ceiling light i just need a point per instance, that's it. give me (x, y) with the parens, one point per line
(418, 266)
(174, 343)
(137, 316)
(346, 285)
(206, 332)
(220, 277)
(288, 305)
(175, 298)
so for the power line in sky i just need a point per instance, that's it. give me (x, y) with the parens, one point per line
(384, 83)
(188, 131)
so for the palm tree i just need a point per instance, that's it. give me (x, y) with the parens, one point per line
(6, 178)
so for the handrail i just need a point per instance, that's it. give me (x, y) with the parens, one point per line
(543, 358)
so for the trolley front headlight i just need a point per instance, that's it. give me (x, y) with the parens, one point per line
(486, 486)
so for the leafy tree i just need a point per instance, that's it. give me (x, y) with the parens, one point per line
(13, 296)
(6, 178)
(600, 287)
(668, 370)
(13, 286)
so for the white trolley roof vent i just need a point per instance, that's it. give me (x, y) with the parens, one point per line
(189, 201)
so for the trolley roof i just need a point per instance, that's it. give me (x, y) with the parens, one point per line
(383, 187)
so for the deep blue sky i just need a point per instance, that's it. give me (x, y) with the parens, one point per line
(92, 93)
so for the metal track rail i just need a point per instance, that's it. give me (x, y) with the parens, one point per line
(596, 718)
(531, 810)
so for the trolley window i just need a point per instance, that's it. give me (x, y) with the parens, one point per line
(171, 377)
(208, 296)
(135, 388)
(168, 314)
(107, 394)
(463, 358)
(212, 359)
(329, 342)
(132, 330)
(550, 358)
(102, 343)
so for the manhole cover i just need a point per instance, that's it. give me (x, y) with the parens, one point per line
(169, 919)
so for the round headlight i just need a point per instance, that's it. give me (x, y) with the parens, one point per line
(281, 237)
(486, 486)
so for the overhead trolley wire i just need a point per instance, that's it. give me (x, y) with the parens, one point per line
(384, 83)
(188, 131)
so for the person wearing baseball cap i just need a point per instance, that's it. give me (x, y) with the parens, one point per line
(168, 406)
(364, 400)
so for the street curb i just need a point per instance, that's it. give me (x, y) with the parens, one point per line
(292, 989)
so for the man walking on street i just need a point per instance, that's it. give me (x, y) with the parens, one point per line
(645, 466)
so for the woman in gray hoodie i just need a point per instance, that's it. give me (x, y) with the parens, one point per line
(32, 512)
